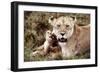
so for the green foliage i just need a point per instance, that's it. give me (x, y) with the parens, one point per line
(27, 52)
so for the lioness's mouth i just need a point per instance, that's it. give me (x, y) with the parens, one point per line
(62, 40)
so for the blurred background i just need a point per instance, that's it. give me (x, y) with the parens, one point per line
(35, 25)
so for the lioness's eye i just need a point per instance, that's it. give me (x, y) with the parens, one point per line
(58, 25)
(67, 25)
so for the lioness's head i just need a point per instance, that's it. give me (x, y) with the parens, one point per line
(63, 27)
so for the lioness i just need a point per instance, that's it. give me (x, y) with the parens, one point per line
(72, 38)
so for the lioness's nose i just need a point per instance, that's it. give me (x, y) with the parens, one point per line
(62, 33)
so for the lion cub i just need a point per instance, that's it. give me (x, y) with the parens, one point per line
(50, 49)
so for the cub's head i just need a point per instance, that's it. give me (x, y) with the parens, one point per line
(63, 27)
(50, 36)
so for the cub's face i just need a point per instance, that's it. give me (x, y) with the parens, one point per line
(50, 36)
(63, 27)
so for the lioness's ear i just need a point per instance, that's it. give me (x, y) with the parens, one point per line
(73, 18)
(50, 19)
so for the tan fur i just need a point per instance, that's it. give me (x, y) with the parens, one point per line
(50, 48)
(78, 37)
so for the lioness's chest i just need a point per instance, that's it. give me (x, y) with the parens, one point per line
(68, 48)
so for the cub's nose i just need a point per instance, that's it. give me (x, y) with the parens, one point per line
(62, 33)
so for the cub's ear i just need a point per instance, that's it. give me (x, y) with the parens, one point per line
(50, 19)
(73, 18)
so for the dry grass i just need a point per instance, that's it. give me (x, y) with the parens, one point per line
(35, 25)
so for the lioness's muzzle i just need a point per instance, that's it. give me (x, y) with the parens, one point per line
(62, 40)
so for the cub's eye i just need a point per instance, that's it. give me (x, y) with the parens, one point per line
(58, 25)
(67, 25)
